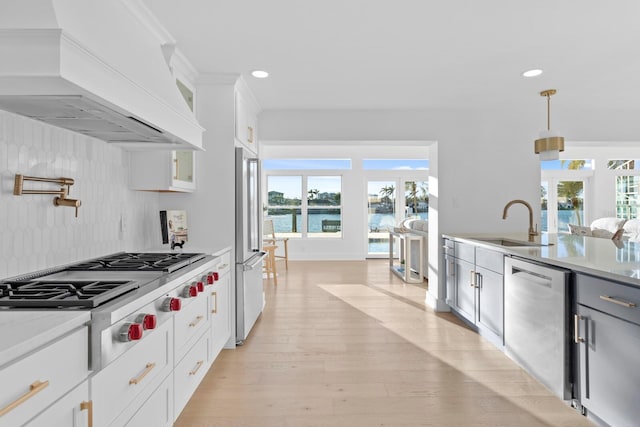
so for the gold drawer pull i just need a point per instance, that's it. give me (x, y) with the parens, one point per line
(215, 304)
(34, 389)
(144, 373)
(615, 301)
(223, 266)
(195, 322)
(88, 406)
(198, 366)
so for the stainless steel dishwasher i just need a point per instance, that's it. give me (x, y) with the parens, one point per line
(536, 333)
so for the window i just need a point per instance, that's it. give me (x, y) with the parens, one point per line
(284, 204)
(562, 198)
(306, 164)
(324, 213)
(318, 215)
(627, 186)
(416, 199)
(395, 164)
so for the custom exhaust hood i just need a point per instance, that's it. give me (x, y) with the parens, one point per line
(100, 68)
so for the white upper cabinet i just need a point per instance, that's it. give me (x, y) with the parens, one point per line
(167, 171)
(246, 110)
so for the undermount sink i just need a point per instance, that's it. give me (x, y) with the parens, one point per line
(507, 242)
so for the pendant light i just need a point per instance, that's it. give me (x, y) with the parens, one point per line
(550, 142)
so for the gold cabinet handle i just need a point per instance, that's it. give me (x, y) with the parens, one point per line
(215, 304)
(472, 278)
(615, 301)
(177, 162)
(88, 406)
(576, 324)
(196, 321)
(197, 368)
(144, 373)
(34, 389)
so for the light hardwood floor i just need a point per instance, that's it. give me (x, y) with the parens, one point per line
(349, 344)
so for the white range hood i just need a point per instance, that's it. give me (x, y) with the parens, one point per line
(95, 67)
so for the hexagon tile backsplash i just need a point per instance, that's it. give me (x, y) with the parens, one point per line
(35, 234)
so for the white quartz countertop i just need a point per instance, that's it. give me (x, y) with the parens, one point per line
(616, 260)
(24, 331)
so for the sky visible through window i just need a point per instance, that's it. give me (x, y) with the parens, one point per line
(563, 164)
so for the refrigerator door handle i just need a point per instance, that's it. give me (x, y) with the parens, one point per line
(257, 261)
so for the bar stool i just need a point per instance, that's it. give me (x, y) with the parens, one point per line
(269, 237)
(269, 265)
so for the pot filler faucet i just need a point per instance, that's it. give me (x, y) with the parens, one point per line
(62, 193)
(532, 232)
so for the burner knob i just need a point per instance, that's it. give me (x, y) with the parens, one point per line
(210, 278)
(148, 321)
(172, 304)
(131, 332)
(215, 275)
(190, 291)
(200, 286)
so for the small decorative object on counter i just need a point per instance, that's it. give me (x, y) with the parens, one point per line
(173, 225)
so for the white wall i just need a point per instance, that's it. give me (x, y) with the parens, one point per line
(34, 233)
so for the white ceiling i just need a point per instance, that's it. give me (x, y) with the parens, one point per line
(416, 54)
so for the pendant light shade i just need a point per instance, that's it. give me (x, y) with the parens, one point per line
(550, 142)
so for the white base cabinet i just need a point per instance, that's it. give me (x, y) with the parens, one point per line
(120, 389)
(72, 410)
(220, 307)
(190, 371)
(157, 411)
(41, 379)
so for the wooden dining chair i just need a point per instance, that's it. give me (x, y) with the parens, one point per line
(269, 238)
(269, 264)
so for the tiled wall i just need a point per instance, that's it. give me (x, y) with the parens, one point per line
(35, 234)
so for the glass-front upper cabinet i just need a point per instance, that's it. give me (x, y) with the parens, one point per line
(165, 171)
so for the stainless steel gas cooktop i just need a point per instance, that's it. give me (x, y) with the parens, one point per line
(90, 283)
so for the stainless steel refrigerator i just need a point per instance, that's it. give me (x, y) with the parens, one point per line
(249, 254)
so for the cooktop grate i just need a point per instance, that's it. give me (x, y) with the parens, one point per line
(54, 294)
(126, 261)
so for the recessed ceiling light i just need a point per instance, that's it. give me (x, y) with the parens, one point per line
(532, 73)
(260, 74)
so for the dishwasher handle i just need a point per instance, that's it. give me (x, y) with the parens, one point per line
(532, 276)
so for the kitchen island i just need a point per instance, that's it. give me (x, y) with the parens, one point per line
(569, 311)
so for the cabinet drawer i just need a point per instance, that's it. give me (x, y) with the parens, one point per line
(490, 260)
(43, 377)
(610, 297)
(138, 371)
(449, 247)
(157, 411)
(67, 411)
(190, 322)
(224, 264)
(189, 372)
(465, 252)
